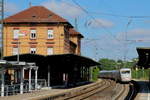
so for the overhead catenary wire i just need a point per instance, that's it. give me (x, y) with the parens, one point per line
(117, 15)
(104, 28)
(2, 25)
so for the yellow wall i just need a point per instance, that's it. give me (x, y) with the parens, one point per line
(76, 40)
(58, 42)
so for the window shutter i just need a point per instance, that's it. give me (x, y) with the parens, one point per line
(16, 33)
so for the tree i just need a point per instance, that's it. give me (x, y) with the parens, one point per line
(120, 64)
(95, 73)
(108, 64)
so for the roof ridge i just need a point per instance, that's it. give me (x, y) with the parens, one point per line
(42, 14)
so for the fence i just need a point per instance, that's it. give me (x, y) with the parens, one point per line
(15, 88)
(41, 83)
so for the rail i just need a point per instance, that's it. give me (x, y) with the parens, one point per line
(121, 92)
(80, 93)
(133, 91)
(87, 92)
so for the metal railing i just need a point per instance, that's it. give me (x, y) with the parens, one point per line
(40, 83)
(14, 89)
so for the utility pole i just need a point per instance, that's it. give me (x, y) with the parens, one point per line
(2, 24)
(30, 4)
(76, 23)
(125, 42)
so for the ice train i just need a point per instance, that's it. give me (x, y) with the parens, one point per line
(123, 74)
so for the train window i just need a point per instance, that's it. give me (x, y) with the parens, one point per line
(125, 72)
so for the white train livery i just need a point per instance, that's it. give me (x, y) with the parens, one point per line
(123, 75)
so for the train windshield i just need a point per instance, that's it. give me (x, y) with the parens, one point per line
(125, 72)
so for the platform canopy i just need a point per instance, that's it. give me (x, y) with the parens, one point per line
(71, 59)
(144, 57)
(62, 59)
(54, 68)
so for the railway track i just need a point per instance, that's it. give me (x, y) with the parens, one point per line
(123, 92)
(89, 94)
(110, 90)
(132, 91)
(105, 90)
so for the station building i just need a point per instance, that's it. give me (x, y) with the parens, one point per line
(39, 35)
(39, 31)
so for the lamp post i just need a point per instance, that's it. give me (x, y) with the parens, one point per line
(2, 24)
(18, 50)
(23, 33)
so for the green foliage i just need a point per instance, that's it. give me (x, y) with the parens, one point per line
(141, 74)
(107, 64)
(131, 63)
(95, 73)
(110, 64)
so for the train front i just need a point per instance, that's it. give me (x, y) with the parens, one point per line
(125, 74)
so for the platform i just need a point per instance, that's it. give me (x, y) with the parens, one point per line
(38, 95)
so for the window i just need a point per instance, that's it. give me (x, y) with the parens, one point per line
(49, 51)
(125, 72)
(15, 51)
(32, 50)
(50, 34)
(32, 34)
(16, 33)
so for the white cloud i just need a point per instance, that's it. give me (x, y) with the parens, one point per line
(106, 46)
(97, 23)
(63, 8)
(147, 21)
(140, 31)
(10, 8)
(136, 34)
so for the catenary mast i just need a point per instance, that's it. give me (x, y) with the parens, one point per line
(1, 26)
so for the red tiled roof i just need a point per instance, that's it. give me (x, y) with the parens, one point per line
(74, 32)
(35, 14)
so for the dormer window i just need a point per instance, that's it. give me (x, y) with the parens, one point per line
(33, 16)
(49, 15)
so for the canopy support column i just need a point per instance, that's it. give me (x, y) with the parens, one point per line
(36, 84)
(21, 81)
(30, 79)
(48, 77)
(3, 83)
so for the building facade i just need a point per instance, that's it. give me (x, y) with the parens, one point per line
(38, 30)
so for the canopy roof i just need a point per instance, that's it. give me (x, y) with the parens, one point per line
(72, 59)
(15, 65)
(144, 57)
(61, 59)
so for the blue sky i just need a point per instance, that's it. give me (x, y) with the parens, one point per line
(104, 23)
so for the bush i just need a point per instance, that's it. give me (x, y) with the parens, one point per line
(141, 74)
(95, 73)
